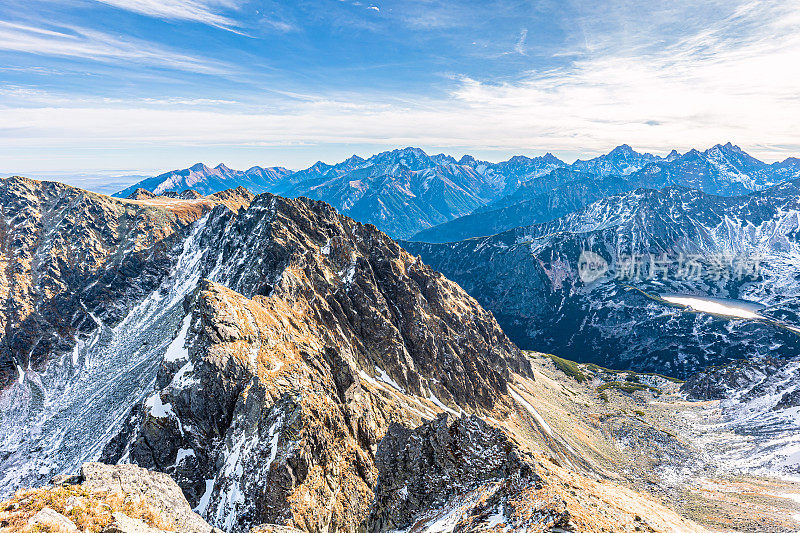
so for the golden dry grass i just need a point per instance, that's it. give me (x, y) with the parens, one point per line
(90, 511)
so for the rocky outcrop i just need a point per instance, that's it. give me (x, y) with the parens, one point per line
(234, 199)
(48, 518)
(140, 194)
(108, 498)
(461, 475)
(720, 382)
(155, 489)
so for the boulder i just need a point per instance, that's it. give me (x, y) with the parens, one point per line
(51, 519)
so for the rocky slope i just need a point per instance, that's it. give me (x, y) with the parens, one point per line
(72, 259)
(647, 245)
(85, 280)
(278, 346)
(757, 408)
(463, 466)
(543, 199)
(642, 427)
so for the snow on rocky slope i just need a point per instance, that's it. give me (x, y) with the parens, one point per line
(644, 244)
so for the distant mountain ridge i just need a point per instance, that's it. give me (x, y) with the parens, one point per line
(206, 180)
(724, 170)
(406, 191)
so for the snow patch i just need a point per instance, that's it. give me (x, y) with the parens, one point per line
(440, 405)
(447, 523)
(157, 408)
(205, 498)
(183, 453)
(532, 411)
(496, 518)
(176, 350)
(383, 376)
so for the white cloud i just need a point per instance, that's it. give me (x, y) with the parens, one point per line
(206, 12)
(94, 45)
(736, 80)
(733, 80)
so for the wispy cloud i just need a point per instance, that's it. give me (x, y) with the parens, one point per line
(85, 43)
(730, 79)
(519, 47)
(202, 11)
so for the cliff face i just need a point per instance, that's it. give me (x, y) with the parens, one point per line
(69, 258)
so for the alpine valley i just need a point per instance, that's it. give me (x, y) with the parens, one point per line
(604, 346)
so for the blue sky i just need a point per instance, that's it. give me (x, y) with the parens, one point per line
(115, 87)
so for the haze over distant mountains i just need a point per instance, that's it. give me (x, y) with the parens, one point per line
(406, 191)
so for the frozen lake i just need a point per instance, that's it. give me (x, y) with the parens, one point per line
(717, 306)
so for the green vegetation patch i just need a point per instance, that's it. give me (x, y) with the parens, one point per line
(626, 386)
(568, 367)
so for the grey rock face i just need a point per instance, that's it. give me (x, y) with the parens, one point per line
(456, 471)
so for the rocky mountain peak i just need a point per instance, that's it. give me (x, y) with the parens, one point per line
(141, 194)
(623, 150)
(550, 158)
(292, 372)
(200, 167)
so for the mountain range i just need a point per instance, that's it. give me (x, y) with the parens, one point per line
(648, 245)
(206, 180)
(261, 363)
(404, 192)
